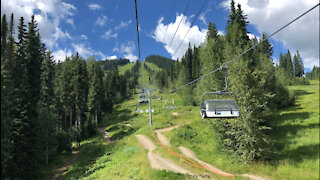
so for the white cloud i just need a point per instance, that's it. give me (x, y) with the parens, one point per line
(86, 51)
(131, 57)
(59, 34)
(101, 21)
(123, 24)
(70, 21)
(269, 15)
(108, 34)
(94, 6)
(61, 54)
(48, 15)
(202, 16)
(194, 37)
(111, 57)
(84, 37)
(251, 36)
(127, 50)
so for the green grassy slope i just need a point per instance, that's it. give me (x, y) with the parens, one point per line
(296, 140)
(123, 69)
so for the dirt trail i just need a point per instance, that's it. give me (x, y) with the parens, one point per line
(158, 162)
(60, 172)
(104, 134)
(163, 139)
(189, 153)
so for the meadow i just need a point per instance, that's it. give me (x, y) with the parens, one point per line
(295, 139)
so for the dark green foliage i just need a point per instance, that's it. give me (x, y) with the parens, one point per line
(160, 61)
(63, 141)
(298, 65)
(212, 31)
(314, 74)
(113, 64)
(289, 65)
(46, 105)
(291, 72)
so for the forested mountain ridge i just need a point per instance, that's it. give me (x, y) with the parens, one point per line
(113, 63)
(160, 61)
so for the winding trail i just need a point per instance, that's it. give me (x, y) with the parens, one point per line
(60, 172)
(158, 162)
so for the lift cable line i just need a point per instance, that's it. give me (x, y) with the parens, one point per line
(194, 20)
(228, 62)
(170, 17)
(165, 33)
(135, 1)
(188, 3)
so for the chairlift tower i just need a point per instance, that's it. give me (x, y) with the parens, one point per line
(150, 114)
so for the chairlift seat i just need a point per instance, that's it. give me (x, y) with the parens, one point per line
(219, 108)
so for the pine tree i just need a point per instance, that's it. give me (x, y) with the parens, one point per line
(298, 65)
(5, 104)
(247, 76)
(289, 65)
(47, 117)
(282, 62)
(95, 95)
(212, 31)
(4, 34)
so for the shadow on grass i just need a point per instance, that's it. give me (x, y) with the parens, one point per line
(117, 116)
(284, 133)
(301, 92)
(88, 155)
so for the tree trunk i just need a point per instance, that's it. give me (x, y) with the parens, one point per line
(47, 149)
(70, 118)
(78, 113)
(96, 117)
(65, 121)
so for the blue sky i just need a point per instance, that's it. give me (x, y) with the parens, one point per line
(107, 29)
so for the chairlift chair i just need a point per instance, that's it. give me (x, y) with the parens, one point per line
(218, 108)
(143, 98)
(166, 106)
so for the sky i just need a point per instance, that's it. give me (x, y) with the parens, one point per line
(107, 28)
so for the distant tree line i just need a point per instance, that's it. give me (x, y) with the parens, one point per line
(290, 71)
(113, 64)
(314, 74)
(46, 105)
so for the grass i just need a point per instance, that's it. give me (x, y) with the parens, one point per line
(123, 69)
(295, 135)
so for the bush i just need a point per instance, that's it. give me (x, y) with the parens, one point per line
(63, 141)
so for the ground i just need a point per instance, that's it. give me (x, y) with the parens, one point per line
(295, 137)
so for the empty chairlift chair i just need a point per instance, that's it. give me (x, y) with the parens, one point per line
(167, 106)
(218, 108)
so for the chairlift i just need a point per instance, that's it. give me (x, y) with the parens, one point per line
(143, 97)
(219, 108)
(167, 106)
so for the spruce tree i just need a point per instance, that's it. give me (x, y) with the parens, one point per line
(282, 62)
(5, 104)
(95, 95)
(47, 117)
(4, 34)
(298, 65)
(289, 65)
(212, 31)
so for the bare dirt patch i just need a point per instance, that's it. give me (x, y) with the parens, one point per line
(60, 172)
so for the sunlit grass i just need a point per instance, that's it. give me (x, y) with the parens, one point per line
(295, 135)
